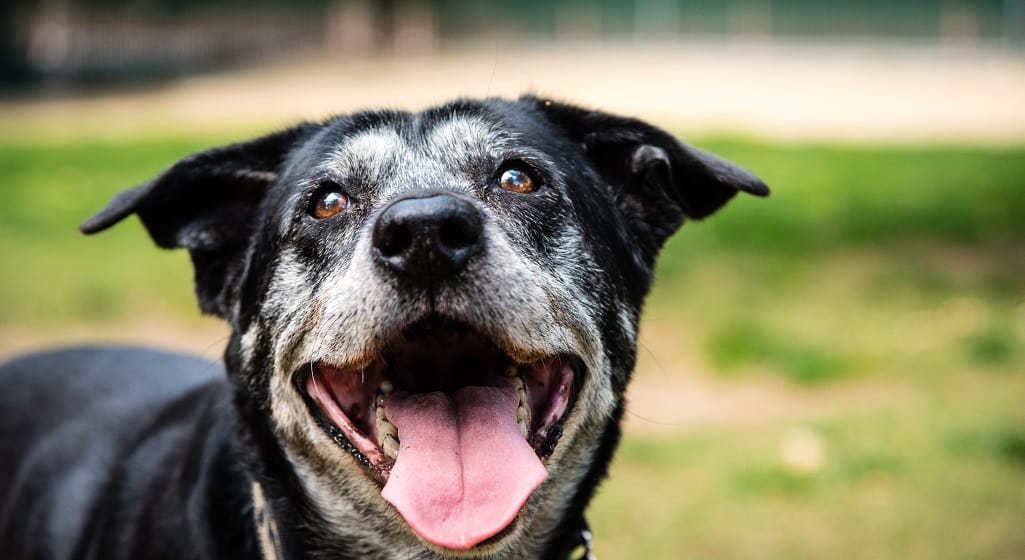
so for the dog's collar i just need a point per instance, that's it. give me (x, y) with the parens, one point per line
(581, 550)
(270, 544)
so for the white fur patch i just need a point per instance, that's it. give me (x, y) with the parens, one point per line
(375, 151)
(463, 137)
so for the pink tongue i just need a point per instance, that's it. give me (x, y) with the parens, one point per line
(464, 469)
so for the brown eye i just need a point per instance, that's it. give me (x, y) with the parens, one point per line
(329, 202)
(517, 180)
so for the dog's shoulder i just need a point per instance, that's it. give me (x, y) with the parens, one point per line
(98, 429)
(91, 379)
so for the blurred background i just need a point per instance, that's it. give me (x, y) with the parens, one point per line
(835, 372)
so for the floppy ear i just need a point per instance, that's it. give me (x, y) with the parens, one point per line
(656, 180)
(206, 203)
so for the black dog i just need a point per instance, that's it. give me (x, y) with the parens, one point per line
(434, 319)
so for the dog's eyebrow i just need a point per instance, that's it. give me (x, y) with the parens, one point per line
(372, 151)
(465, 135)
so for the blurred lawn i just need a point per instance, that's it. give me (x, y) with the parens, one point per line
(893, 266)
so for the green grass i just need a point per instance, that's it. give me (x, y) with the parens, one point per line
(938, 479)
(829, 195)
(851, 312)
(57, 275)
(896, 267)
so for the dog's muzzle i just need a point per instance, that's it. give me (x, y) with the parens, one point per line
(454, 428)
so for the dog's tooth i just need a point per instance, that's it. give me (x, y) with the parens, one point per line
(386, 428)
(523, 420)
(512, 371)
(517, 381)
(523, 410)
(522, 390)
(390, 445)
(387, 387)
(381, 420)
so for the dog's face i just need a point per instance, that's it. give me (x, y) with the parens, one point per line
(434, 314)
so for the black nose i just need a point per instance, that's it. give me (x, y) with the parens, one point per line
(428, 238)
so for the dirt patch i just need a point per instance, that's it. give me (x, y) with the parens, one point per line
(679, 399)
(789, 92)
(206, 338)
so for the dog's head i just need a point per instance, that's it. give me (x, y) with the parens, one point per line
(434, 314)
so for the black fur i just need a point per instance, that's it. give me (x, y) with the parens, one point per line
(129, 453)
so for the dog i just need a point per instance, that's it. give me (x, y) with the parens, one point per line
(433, 323)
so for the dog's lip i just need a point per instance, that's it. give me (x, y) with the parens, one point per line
(359, 435)
(359, 439)
(550, 384)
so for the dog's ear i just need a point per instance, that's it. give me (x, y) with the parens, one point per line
(206, 203)
(657, 180)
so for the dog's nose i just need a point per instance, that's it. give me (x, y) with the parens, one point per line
(428, 237)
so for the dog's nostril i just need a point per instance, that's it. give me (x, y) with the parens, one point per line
(458, 234)
(397, 241)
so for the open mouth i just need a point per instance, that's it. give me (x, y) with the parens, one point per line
(453, 427)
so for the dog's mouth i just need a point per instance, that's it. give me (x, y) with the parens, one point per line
(454, 427)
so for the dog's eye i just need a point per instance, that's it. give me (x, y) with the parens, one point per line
(517, 180)
(328, 201)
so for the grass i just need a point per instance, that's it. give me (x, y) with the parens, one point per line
(897, 267)
(829, 195)
(57, 274)
(933, 480)
(853, 312)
